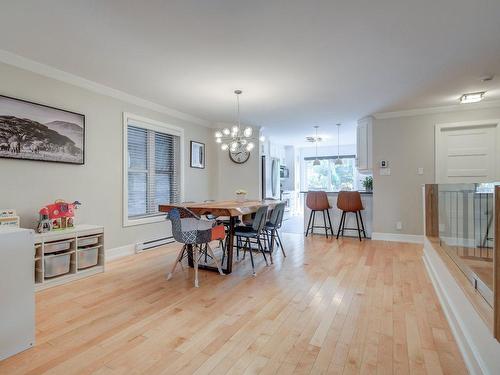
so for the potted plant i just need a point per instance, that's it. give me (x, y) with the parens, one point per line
(241, 195)
(368, 183)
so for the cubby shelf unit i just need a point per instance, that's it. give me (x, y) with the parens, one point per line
(78, 246)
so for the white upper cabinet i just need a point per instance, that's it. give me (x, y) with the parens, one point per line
(364, 145)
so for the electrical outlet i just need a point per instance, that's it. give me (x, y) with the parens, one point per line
(399, 225)
(420, 171)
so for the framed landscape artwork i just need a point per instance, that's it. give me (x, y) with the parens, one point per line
(197, 155)
(33, 131)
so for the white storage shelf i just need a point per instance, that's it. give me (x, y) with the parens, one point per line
(67, 255)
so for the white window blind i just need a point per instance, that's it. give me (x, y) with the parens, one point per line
(153, 168)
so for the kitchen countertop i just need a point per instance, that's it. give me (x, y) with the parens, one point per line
(364, 192)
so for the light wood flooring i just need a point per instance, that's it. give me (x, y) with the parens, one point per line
(330, 307)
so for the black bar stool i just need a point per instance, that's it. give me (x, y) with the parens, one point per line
(350, 201)
(318, 201)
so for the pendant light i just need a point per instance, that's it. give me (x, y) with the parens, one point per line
(236, 138)
(338, 161)
(316, 139)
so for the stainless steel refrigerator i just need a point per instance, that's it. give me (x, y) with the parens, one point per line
(270, 177)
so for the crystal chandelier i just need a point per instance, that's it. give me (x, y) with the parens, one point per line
(236, 138)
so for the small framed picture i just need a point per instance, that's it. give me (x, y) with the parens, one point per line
(197, 155)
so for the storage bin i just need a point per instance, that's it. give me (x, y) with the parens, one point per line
(57, 264)
(56, 246)
(88, 257)
(87, 241)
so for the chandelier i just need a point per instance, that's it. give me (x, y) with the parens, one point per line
(236, 138)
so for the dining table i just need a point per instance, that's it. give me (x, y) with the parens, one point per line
(231, 209)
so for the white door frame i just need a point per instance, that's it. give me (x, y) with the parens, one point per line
(458, 125)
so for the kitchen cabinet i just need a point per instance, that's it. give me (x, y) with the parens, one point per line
(364, 134)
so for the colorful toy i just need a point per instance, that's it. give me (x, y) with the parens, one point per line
(9, 218)
(44, 224)
(60, 214)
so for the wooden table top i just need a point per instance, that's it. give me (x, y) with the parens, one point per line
(223, 208)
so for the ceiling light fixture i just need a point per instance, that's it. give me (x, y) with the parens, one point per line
(235, 139)
(472, 97)
(338, 161)
(316, 140)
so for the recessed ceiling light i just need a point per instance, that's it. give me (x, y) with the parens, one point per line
(472, 97)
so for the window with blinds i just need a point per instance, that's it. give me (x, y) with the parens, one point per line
(153, 169)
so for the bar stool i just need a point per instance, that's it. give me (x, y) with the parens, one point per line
(350, 201)
(318, 201)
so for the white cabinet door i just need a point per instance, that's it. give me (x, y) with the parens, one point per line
(466, 152)
(364, 145)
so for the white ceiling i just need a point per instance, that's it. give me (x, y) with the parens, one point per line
(299, 63)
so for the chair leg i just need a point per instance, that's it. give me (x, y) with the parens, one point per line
(177, 260)
(263, 253)
(209, 249)
(309, 222)
(251, 255)
(330, 222)
(340, 224)
(324, 222)
(362, 224)
(195, 256)
(357, 224)
(281, 243)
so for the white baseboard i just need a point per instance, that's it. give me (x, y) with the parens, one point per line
(396, 237)
(475, 341)
(119, 252)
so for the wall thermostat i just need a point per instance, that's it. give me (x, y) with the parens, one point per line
(384, 164)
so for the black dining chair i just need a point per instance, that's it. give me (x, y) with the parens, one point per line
(246, 234)
(272, 227)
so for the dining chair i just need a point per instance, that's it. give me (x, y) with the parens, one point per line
(189, 229)
(244, 234)
(350, 201)
(272, 227)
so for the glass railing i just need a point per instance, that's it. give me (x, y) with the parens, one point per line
(466, 230)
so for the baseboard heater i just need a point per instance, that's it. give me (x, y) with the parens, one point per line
(148, 245)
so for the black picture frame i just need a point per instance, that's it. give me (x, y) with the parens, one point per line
(60, 140)
(197, 155)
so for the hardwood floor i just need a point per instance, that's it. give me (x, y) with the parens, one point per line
(330, 307)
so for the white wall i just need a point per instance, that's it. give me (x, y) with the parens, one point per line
(28, 185)
(408, 143)
(232, 176)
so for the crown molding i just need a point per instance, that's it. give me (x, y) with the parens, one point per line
(434, 110)
(10, 58)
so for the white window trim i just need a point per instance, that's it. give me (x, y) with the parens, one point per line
(155, 125)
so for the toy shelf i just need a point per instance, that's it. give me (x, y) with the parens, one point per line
(62, 256)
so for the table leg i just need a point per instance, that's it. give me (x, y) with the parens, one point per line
(229, 249)
(230, 245)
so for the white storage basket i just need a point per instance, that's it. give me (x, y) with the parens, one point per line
(88, 257)
(56, 246)
(56, 265)
(88, 241)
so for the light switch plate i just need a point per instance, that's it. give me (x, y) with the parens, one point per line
(385, 171)
(420, 171)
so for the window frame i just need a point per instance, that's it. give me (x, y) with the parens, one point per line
(158, 126)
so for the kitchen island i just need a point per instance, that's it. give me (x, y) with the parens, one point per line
(335, 213)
